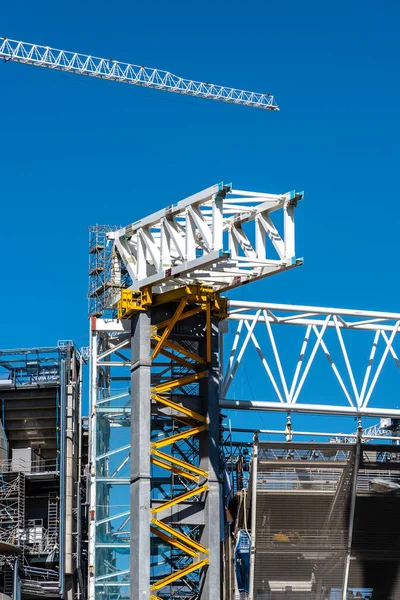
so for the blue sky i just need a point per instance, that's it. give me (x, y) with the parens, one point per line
(77, 151)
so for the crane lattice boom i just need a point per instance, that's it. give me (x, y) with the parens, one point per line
(103, 68)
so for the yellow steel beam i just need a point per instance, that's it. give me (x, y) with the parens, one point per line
(196, 492)
(174, 542)
(185, 315)
(177, 383)
(131, 302)
(180, 536)
(153, 597)
(185, 420)
(179, 574)
(192, 293)
(180, 463)
(196, 294)
(174, 357)
(181, 350)
(208, 332)
(169, 328)
(182, 409)
(183, 435)
(175, 470)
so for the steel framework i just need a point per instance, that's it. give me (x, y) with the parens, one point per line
(109, 445)
(41, 443)
(108, 68)
(326, 332)
(156, 380)
(325, 551)
(219, 237)
(165, 344)
(102, 286)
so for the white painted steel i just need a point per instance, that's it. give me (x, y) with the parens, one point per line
(356, 397)
(108, 68)
(207, 239)
(327, 409)
(109, 337)
(375, 432)
(92, 462)
(313, 310)
(253, 528)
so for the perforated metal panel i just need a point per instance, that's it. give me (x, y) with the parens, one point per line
(302, 523)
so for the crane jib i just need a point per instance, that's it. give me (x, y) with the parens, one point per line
(103, 68)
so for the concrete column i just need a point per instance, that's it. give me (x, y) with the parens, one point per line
(140, 457)
(210, 588)
(72, 408)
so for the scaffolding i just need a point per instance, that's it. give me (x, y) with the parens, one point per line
(104, 283)
(12, 508)
(109, 444)
(40, 390)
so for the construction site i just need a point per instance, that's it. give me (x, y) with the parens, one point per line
(162, 485)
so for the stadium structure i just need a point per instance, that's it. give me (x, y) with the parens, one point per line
(167, 490)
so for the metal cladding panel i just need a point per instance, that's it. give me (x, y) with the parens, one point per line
(375, 560)
(302, 523)
(301, 532)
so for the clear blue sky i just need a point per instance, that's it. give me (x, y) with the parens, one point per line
(78, 151)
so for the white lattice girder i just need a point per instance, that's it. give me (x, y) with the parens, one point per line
(255, 326)
(113, 70)
(218, 237)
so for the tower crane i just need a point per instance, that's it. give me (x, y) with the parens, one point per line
(103, 68)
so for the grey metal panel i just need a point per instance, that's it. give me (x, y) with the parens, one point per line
(140, 457)
(302, 525)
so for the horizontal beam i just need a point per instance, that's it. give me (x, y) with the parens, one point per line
(114, 480)
(317, 310)
(318, 409)
(365, 436)
(305, 322)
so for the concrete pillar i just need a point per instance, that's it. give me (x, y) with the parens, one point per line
(210, 587)
(72, 408)
(140, 457)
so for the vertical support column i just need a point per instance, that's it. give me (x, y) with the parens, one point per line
(17, 582)
(210, 461)
(140, 457)
(254, 471)
(288, 224)
(353, 499)
(63, 415)
(71, 470)
(92, 459)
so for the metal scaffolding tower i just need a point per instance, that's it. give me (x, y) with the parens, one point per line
(41, 542)
(156, 371)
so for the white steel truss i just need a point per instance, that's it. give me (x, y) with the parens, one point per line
(256, 324)
(220, 237)
(110, 415)
(108, 68)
